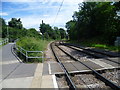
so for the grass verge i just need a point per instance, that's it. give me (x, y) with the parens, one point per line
(33, 44)
(95, 44)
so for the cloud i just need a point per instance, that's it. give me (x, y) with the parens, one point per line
(31, 22)
(19, 0)
(33, 13)
(44, 1)
(34, 21)
(3, 14)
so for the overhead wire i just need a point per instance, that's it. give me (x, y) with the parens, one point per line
(58, 12)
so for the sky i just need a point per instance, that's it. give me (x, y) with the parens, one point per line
(32, 12)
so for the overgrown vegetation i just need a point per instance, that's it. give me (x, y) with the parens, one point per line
(0, 39)
(94, 44)
(33, 44)
(97, 21)
(0, 42)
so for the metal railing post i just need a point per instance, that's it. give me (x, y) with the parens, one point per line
(26, 57)
(42, 57)
(4, 41)
(7, 40)
(0, 43)
(25, 53)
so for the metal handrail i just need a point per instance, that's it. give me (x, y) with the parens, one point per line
(25, 53)
(35, 51)
(6, 40)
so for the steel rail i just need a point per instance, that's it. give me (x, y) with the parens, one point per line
(99, 76)
(103, 53)
(70, 82)
(90, 53)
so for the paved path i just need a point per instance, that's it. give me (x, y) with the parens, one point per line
(20, 75)
(14, 73)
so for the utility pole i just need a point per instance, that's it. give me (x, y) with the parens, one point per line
(7, 33)
(42, 21)
(42, 33)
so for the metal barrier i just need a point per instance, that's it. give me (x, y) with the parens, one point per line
(117, 41)
(26, 53)
(4, 41)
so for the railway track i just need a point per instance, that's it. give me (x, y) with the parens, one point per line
(92, 52)
(75, 79)
(70, 83)
(102, 52)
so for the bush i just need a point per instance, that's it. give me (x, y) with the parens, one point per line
(33, 44)
(99, 45)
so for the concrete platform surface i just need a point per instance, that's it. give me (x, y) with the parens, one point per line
(36, 82)
(22, 75)
(47, 82)
(17, 82)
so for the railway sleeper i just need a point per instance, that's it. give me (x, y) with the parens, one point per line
(105, 80)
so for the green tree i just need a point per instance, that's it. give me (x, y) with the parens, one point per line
(95, 20)
(70, 25)
(3, 28)
(62, 33)
(32, 32)
(44, 28)
(15, 23)
(56, 33)
(47, 31)
(15, 33)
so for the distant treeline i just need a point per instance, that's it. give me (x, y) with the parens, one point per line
(99, 21)
(53, 33)
(15, 30)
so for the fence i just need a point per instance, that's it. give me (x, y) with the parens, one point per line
(26, 53)
(117, 42)
(4, 41)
